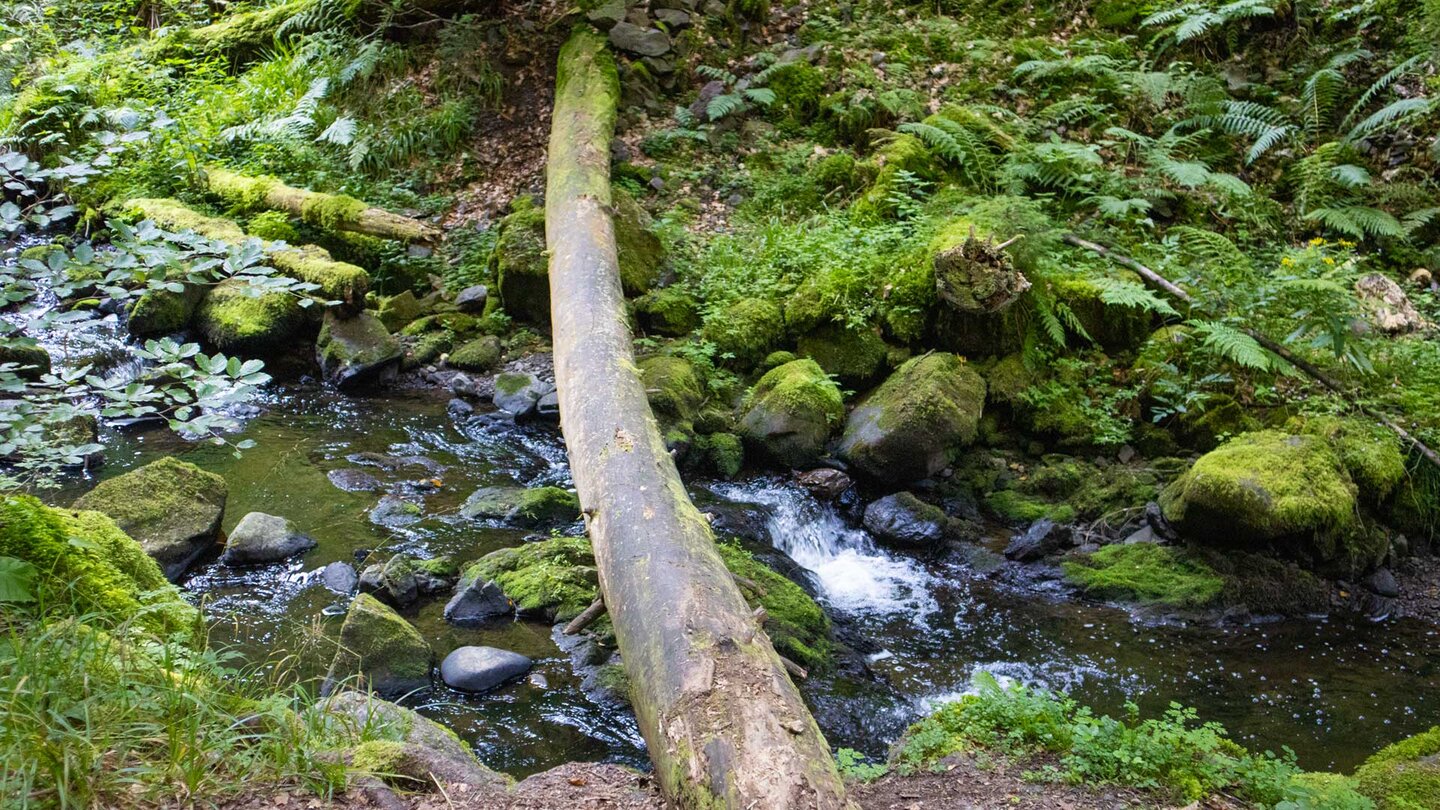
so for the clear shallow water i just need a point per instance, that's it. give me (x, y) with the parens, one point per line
(1334, 690)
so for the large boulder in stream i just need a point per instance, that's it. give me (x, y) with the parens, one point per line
(904, 520)
(385, 652)
(480, 669)
(533, 508)
(260, 538)
(911, 426)
(238, 318)
(1271, 491)
(357, 351)
(171, 508)
(790, 412)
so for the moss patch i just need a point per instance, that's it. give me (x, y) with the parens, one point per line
(1147, 573)
(1405, 775)
(552, 578)
(532, 508)
(746, 331)
(789, 414)
(855, 356)
(236, 321)
(521, 267)
(668, 311)
(481, 354)
(383, 648)
(639, 250)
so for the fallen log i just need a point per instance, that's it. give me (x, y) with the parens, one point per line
(724, 724)
(338, 281)
(330, 212)
(1310, 370)
(586, 617)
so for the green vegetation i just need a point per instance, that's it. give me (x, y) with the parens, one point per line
(1146, 573)
(1403, 776)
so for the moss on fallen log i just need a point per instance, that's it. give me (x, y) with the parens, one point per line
(328, 212)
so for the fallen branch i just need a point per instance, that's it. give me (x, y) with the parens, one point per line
(723, 722)
(1309, 369)
(586, 617)
(330, 212)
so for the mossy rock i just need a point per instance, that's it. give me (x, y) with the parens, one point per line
(164, 312)
(854, 356)
(668, 311)
(387, 653)
(481, 354)
(235, 320)
(796, 624)
(637, 247)
(1145, 573)
(172, 508)
(1218, 418)
(458, 324)
(426, 349)
(35, 357)
(746, 331)
(398, 310)
(1007, 379)
(1404, 775)
(913, 424)
(1369, 452)
(799, 86)
(1273, 490)
(1116, 328)
(1018, 508)
(673, 388)
(521, 267)
(789, 414)
(902, 153)
(722, 454)
(529, 508)
(85, 565)
(1265, 585)
(357, 351)
(1088, 491)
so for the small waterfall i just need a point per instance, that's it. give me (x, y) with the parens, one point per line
(853, 574)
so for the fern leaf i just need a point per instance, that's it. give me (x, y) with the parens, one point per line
(1392, 113)
(1133, 295)
(1233, 345)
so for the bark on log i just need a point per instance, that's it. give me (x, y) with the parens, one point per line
(725, 726)
(331, 212)
(1410, 440)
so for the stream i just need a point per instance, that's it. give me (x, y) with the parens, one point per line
(1333, 690)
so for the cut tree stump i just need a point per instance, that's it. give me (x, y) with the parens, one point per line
(724, 724)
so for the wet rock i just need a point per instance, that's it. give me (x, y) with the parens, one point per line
(357, 351)
(339, 577)
(825, 483)
(1382, 582)
(910, 427)
(400, 309)
(631, 38)
(480, 669)
(548, 407)
(518, 506)
(170, 507)
(1042, 539)
(435, 575)
(395, 512)
(477, 601)
(790, 412)
(472, 299)
(905, 520)
(459, 409)
(1155, 518)
(352, 480)
(745, 521)
(518, 393)
(386, 652)
(462, 386)
(393, 582)
(260, 538)
(674, 18)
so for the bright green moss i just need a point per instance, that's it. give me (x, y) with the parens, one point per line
(746, 331)
(904, 155)
(87, 566)
(798, 88)
(1405, 775)
(156, 493)
(1116, 328)
(162, 312)
(174, 215)
(331, 212)
(1017, 507)
(668, 311)
(377, 643)
(1008, 379)
(530, 506)
(673, 388)
(789, 414)
(724, 453)
(481, 354)
(1147, 573)
(639, 250)
(398, 310)
(910, 301)
(797, 626)
(838, 173)
(521, 266)
(384, 758)
(272, 226)
(458, 324)
(1369, 452)
(237, 322)
(555, 578)
(854, 356)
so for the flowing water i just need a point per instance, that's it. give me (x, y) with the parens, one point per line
(1332, 689)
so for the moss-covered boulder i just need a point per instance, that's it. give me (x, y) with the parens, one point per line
(1273, 490)
(721, 454)
(237, 318)
(398, 310)
(379, 650)
(1145, 573)
(902, 156)
(402, 743)
(854, 356)
(912, 425)
(1007, 380)
(164, 312)
(172, 509)
(638, 248)
(746, 331)
(83, 563)
(673, 388)
(1370, 453)
(668, 311)
(796, 624)
(789, 414)
(1405, 775)
(480, 354)
(357, 351)
(533, 508)
(521, 267)
(33, 360)
(1115, 327)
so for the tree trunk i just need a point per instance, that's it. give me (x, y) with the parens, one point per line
(330, 212)
(724, 724)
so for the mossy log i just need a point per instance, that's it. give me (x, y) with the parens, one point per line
(724, 724)
(328, 212)
(338, 281)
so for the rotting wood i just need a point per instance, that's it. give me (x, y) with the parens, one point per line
(586, 617)
(330, 212)
(724, 723)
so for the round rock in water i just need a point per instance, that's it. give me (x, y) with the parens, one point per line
(261, 538)
(339, 577)
(478, 669)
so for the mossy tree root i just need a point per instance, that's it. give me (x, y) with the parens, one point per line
(725, 726)
(329, 212)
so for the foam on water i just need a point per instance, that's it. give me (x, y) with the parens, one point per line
(853, 574)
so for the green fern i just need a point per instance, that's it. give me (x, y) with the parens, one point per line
(1228, 343)
(1134, 295)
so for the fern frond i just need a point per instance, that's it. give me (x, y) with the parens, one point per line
(1390, 114)
(1231, 344)
(1133, 295)
(1380, 85)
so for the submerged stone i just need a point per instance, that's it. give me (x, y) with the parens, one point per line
(172, 508)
